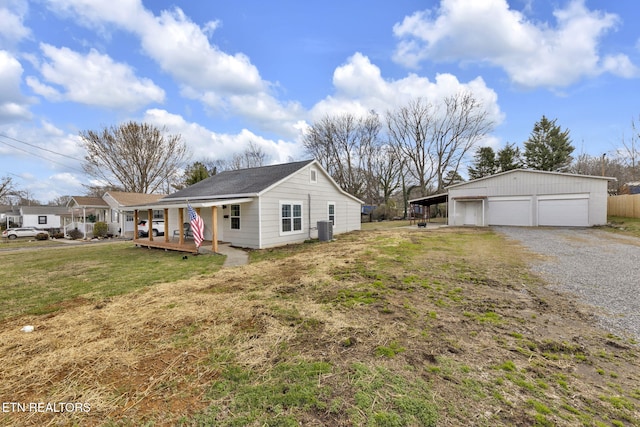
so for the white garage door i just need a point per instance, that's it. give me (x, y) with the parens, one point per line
(571, 211)
(509, 211)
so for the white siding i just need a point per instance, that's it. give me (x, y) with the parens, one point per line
(536, 186)
(31, 220)
(315, 197)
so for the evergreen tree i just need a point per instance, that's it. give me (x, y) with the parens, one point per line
(549, 147)
(452, 177)
(508, 158)
(196, 172)
(484, 163)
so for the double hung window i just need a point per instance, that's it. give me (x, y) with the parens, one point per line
(290, 217)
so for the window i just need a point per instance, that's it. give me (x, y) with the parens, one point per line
(158, 215)
(313, 175)
(235, 217)
(332, 212)
(291, 217)
(42, 219)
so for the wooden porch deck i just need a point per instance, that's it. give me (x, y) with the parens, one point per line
(172, 245)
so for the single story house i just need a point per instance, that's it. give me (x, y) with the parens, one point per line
(112, 208)
(524, 197)
(43, 217)
(259, 207)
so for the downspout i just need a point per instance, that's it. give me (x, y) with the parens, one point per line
(309, 213)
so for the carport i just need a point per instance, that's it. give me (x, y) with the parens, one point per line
(426, 202)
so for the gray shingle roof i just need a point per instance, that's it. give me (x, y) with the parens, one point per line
(238, 182)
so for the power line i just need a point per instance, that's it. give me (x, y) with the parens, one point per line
(35, 146)
(42, 157)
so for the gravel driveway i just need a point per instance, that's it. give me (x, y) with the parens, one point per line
(601, 268)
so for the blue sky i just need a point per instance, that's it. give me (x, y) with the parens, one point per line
(225, 74)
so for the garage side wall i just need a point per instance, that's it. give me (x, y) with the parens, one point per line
(532, 198)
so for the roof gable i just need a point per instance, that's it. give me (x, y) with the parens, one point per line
(241, 182)
(82, 201)
(123, 198)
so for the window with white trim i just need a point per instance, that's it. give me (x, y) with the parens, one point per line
(313, 175)
(331, 208)
(235, 217)
(290, 217)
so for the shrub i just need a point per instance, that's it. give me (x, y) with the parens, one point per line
(100, 229)
(75, 234)
(42, 236)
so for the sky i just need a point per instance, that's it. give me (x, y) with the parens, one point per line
(226, 74)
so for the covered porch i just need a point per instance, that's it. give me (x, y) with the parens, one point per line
(174, 237)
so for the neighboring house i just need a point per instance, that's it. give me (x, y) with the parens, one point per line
(262, 207)
(524, 197)
(43, 217)
(630, 188)
(121, 218)
(111, 208)
(9, 215)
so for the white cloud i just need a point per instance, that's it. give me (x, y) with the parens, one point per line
(223, 82)
(12, 104)
(206, 144)
(532, 53)
(360, 88)
(12, 29)
(92, 79)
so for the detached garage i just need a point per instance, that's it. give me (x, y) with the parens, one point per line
(530, 198)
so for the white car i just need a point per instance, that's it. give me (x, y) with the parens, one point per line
(157, 229)
(14, 233)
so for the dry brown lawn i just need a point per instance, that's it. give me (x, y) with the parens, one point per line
(386, 327)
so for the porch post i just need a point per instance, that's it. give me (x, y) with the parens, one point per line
(150, 224)
(166, 224)
(135, 224)
(84, 221)
(214, 229)
(181, 221)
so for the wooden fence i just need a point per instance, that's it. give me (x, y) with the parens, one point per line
(627, 205)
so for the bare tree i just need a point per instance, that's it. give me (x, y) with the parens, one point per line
(136, 157)
(6, 188)
(409, 129)
(630, 151)
(462, 124)
(435, 138)
(386, 167)
(252, 157)
(344, 146)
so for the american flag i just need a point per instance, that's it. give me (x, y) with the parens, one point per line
(197, 225)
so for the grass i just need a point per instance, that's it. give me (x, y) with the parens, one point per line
(44, 281)
(385, 327)
(629, 226)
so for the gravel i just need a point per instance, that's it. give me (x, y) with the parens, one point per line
(601, 268)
